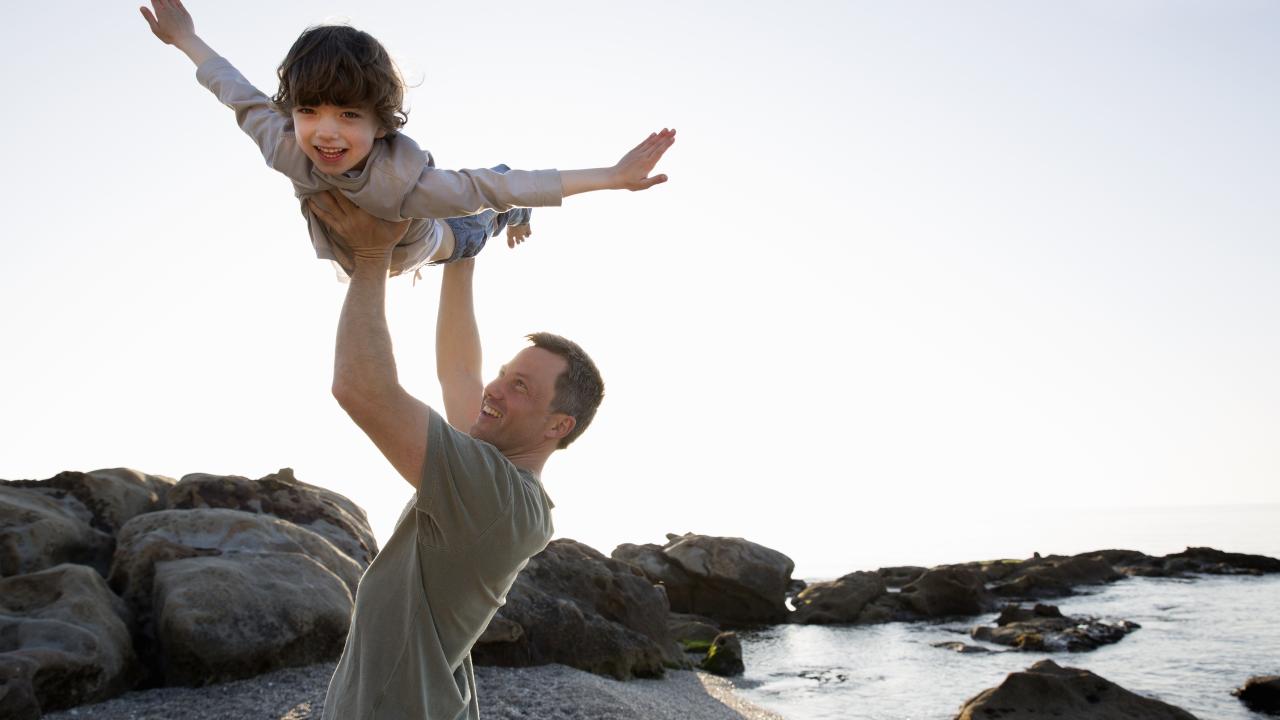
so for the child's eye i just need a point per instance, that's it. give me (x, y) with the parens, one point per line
(304, 110)
(350, 115)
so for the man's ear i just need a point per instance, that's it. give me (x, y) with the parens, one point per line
(561, 426)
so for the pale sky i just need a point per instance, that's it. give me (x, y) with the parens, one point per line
(917, 263)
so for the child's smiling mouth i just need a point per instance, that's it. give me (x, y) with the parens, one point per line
(330, 154)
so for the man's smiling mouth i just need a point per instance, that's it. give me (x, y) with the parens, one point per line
(491, 411)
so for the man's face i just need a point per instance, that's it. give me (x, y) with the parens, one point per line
(336, 139)
(515, 413)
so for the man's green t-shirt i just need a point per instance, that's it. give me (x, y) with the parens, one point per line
(425, 599)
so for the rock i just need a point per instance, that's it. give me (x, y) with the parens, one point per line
(1056, 576)
(242, 555)
(963, 648)
(64, 641)
(17, 695)
(896, 577)
(321, 511)
(244, 614)
(694, 632)
(1261, 694)
(660, 570)
(576, 607)
(1013, 613)
(731, 580)
(1047, 690)
(105, 499)
(838, 601)
(725, 656)
(795, 587)
(501, 630)
(946, 591)
(1045, 629)
(1216, 562)
(38, 531)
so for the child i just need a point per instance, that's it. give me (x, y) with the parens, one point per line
(334, 125)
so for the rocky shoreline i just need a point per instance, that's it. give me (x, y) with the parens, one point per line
(192, 591)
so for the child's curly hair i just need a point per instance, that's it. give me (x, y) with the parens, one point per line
(340, 65)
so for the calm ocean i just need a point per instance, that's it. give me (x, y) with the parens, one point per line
(1199, 638)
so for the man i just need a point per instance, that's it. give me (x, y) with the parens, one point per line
(480, 510)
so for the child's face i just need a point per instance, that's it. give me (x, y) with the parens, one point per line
(337, 139)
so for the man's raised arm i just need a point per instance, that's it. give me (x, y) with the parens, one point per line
(365, 381)
(458, 354)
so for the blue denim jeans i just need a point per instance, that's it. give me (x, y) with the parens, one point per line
(471, 232)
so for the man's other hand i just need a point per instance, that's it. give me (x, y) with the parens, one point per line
(366, 235)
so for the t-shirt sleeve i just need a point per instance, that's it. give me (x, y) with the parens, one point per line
(257, 117)
(466, 486)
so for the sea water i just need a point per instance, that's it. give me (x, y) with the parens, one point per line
(1200, 638)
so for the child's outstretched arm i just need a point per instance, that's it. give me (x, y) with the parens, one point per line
(171, 22)
(630, 173)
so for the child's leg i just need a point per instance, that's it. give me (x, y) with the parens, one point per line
(470, 233)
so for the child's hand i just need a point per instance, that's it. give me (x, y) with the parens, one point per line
(171, 22)
(517, 234)
(632, 171)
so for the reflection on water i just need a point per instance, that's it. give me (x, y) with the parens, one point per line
(1199, 639)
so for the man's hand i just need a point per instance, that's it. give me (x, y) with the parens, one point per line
(367, 236)
(632, 171)
(171, 22)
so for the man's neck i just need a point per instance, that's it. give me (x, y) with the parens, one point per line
(530, 460)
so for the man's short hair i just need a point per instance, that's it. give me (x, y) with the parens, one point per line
(579, 389)
(340, 65)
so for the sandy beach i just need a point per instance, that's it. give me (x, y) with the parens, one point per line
(549, 692)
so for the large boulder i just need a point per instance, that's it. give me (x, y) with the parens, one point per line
(946, 591)
(239, 615)
(730, 580)
(1047, 690)
(661, 570)
(1261, 694)
(843, 600)
(574, 606)
(281, 495)
(106, 499)
(195, 578)
(38, 531)
(64, 641)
